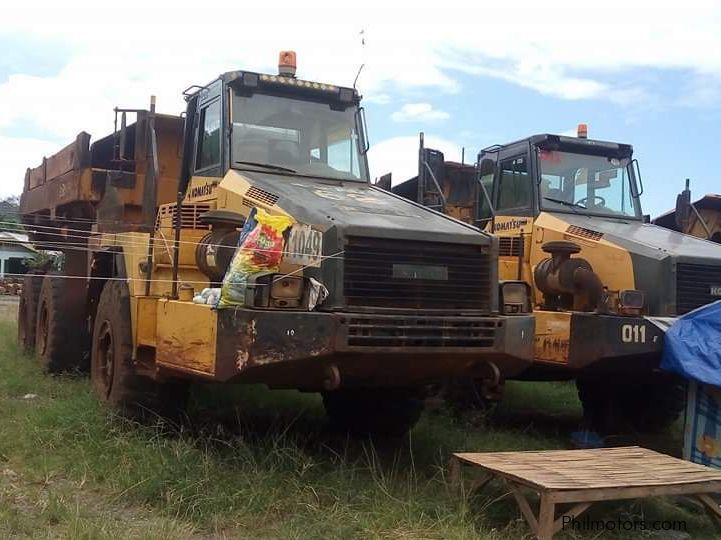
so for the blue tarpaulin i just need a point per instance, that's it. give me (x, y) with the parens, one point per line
(692, 345)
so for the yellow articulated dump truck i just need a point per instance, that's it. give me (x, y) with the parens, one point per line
(605, 282)
(243, 242)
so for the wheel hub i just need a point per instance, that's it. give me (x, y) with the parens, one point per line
(106, 360)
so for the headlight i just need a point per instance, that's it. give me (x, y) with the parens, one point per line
(630, 302)
(286, 291)
(267, 290)
(514, 297)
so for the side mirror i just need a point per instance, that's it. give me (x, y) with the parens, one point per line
(683, 208)
(360, 126)
(636, 189)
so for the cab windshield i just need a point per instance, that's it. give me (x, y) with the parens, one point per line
(582, 183)
(301, 137)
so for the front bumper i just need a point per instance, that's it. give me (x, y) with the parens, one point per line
(294, 349)
(616, 344)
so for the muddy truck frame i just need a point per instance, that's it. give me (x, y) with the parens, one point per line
(150, 216)
(605, 282)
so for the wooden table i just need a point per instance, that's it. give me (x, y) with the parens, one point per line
(583, 477)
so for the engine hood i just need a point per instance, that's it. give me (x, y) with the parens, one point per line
(376, 232)
(677, 272)
(650, 241)
(357, 209)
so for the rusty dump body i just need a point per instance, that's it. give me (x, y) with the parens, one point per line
(412, 295)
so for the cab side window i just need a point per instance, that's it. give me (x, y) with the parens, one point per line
(514, 187)
(208, 154)
(487, 171)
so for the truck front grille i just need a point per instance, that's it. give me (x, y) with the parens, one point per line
(415, 274)
(696, 285)
(421, 332)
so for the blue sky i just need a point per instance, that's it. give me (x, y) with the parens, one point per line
(671, 141)
(468, 76)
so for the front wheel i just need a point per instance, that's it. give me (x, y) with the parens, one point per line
(112, 370)
(373, 411)
(647, 405)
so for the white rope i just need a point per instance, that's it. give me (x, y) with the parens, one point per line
(142, 244)
(130, 279)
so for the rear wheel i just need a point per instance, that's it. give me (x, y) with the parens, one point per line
(112, 370)
(364, 411)
(27, 310)
(57, 331)
(645, 406)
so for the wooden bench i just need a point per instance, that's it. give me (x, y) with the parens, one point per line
(580, 478)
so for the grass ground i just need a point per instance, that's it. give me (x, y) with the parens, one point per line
(250, 463)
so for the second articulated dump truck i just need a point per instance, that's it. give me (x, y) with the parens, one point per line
(606, 284)
(374, 298)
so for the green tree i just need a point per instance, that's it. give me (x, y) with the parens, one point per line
(10, 214)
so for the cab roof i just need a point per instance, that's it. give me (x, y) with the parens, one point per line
(549, 141)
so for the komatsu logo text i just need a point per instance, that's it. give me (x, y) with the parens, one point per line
(509, 225)
(201, 191)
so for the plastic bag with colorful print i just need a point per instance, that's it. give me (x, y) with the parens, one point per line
(260, 249)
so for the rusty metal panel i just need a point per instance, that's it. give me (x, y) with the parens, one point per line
(74, 156)
(73, 186)
(36, 176)
(553, 336)
(185, 337)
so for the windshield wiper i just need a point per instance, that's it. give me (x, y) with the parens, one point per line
(565, 203)
(266, 166)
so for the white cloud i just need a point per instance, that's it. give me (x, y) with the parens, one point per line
(399, 155)
(574, 51)
(419, 112)
(17, 155)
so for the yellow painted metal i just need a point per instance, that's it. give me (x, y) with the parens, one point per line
(183, 333)
(146, 309)
(185, 337)
(610, 261)
(202, 189)
(553, 336)
(232, 195)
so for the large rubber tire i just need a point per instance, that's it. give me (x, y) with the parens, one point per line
(57, 332)
(27, 310)
(468, 397)
(650, 405)
(382, 412)
(113, 372)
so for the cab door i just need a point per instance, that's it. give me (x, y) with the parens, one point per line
(513, 197)
(207, 166)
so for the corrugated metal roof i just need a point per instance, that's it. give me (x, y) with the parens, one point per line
(18, 240)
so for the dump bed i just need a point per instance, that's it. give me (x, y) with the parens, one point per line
(106, 181)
